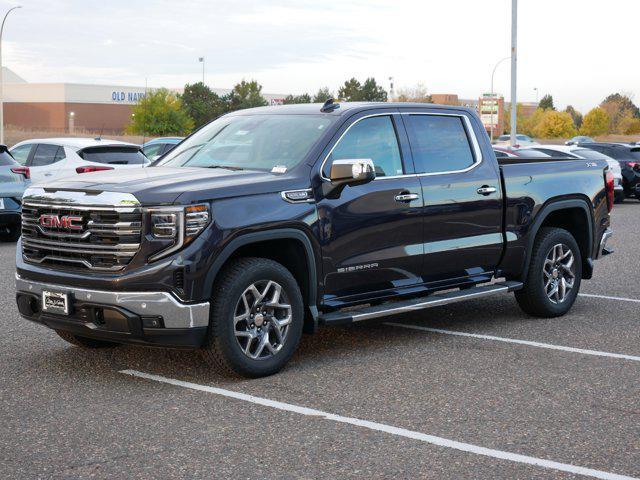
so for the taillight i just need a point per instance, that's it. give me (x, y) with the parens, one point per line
(92, 168)
(609, 185)
(22, 171)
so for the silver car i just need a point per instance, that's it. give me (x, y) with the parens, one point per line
(14, 178)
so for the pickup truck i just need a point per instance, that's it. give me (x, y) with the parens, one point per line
(268, 222)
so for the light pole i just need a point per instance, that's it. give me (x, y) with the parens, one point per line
(391, 92)
(201, 60)
(492, 94)
(2, 76)
(535, 89)
(514, 70)
(72, 124)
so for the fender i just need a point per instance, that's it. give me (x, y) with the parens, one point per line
(553, 206)
(276, 234)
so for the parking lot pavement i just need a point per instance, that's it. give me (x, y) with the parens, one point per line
(569, 394)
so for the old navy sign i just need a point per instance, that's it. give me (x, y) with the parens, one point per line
(131, 97)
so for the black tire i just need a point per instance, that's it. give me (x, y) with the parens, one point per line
(619, 198)
(223, 350)
(533, 297)
(84, 342)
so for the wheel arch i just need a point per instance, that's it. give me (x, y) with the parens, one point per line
(575, 216)
(291, 243)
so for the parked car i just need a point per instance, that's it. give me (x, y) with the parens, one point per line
(508, 152)
(574, 151)
(579, 139)
(154, 149)
(522, 140)
(14, 178)
(51, 158)
(273, 220)
(629, 158)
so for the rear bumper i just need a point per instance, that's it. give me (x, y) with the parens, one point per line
(602, 248)
(147, 318)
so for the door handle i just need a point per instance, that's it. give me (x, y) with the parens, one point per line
(486, 190)
(406, 197)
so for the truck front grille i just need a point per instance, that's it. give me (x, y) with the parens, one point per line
(99, 238)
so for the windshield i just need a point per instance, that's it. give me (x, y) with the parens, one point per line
(256, 142)
(635, 152)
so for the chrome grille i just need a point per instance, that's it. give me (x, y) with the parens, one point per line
(109, 238)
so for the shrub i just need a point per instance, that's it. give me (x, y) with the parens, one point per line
(595, 123)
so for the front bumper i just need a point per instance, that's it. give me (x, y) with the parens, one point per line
(149, 318)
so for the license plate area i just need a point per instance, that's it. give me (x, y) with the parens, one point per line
(55, 302)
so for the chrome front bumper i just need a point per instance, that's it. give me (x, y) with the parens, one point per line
(174, 313)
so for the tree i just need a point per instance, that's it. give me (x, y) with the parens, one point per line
(354, 91)
(290, 99)
(595, 123)
(546, 103)
(202, 104)
(629, 125)
(555, 125)
(246, 95)
(619, 106)
(158, 113)
(322, 95)
(575, 115)
(417, 93)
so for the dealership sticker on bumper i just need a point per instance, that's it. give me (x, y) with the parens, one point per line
(55, 302)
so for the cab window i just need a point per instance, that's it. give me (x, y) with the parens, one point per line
(372, 138)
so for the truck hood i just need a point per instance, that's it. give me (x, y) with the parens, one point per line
(164, 185)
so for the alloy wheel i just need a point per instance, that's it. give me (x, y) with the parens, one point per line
(559, 273)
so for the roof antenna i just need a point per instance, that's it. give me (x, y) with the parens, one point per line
(329, 106)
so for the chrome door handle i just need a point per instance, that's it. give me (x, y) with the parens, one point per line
(406, 197)
(486, 190)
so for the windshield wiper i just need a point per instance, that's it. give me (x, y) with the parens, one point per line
(227, 167)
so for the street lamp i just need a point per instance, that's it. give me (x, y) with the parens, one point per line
(492, 94)
(535, 89)
(514, 71)
(72, 125)
(201, 60)
(2, 76)
(391, 92)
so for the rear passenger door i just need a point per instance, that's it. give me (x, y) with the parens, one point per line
(45, 162)
(462, 197)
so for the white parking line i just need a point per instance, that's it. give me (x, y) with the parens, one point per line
(607, 297)
(515, 340)
(381, 427)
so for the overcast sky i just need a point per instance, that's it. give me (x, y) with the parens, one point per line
(577, 50)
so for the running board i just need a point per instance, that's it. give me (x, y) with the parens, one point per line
(393, 308)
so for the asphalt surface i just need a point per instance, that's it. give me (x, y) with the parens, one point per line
(69, 413)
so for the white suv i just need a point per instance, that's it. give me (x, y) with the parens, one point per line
(50, 158)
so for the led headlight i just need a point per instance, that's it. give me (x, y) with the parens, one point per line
(177, 226)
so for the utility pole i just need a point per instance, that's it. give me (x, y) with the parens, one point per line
(514, 70)
(493, 96)
(2, 77)
(201, 60)
(391, 92)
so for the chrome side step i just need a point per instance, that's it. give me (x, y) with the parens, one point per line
(393, 308)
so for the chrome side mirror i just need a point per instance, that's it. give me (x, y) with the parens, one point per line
(352, 171)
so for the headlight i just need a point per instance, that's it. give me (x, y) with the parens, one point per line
(175, 227)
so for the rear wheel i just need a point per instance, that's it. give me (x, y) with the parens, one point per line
(84, 342)
(257, 315)
(554, 276)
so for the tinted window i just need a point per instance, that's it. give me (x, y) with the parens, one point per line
(373, 138)
(151, 150)
(45, 155)
(614, 151)
(635, 153)
(500, 154)
(439, 143)
(552, 153)
(113, 155)
(6, 159)
(21, 153)
(590, 154)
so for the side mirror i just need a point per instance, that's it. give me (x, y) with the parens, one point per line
(356, 171)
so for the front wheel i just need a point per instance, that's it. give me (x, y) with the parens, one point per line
(554, 276)
(256, 321)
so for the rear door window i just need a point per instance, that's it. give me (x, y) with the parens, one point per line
(439, 143)
(46, 154)
(21, 153)
(113, 155)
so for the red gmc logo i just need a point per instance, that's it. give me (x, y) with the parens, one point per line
(67, 222)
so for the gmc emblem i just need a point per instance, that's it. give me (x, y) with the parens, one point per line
(68, 222)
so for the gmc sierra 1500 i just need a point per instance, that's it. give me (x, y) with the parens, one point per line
(269, 221)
